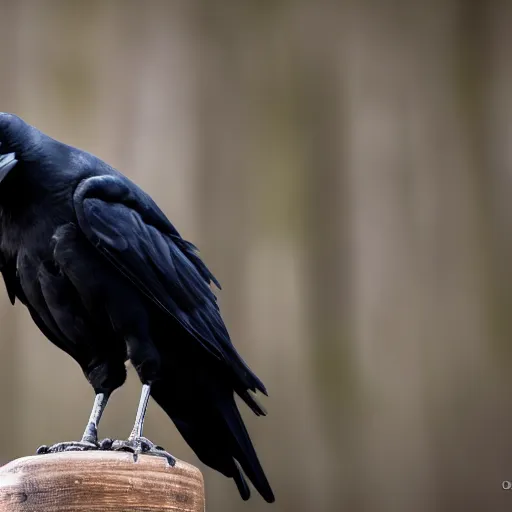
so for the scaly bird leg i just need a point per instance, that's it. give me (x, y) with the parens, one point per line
(90, 438)
(135, 443)
(91, 431)
(141, 412)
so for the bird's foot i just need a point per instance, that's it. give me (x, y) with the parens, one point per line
(137, 446)
(68, 446)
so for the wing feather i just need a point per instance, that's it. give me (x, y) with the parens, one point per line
(128, 228)
(142, 244)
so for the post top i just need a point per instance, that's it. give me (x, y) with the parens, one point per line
(99, 480)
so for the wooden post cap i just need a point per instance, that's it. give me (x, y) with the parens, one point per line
(99, 480)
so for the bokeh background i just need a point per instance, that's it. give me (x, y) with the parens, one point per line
(346, 169)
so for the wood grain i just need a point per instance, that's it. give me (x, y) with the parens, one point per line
(107, 481)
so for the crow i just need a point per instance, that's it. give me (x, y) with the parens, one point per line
(108, 279)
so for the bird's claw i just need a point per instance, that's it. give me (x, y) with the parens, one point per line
(68, 446)
(137, 446)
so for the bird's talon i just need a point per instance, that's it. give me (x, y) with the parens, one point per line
(171, 461)
(67, 446)
(137, 446)
(144, 447)
(106, 444)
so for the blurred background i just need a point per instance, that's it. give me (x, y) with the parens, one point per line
(345, 168)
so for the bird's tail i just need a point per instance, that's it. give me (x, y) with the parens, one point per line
(212, 426)
(242, 448)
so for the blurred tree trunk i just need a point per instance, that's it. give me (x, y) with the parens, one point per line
(496, 119)
(421, 254)
(326, 237)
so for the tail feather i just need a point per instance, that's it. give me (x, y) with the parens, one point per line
(211, 424)
(245, 375)
(241, 483)
(251, 401)
(243, 449)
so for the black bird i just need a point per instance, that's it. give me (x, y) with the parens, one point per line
(107, 278)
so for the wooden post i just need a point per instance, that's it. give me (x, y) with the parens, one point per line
(99, 480)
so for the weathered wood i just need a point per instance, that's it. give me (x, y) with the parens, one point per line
(107, 481)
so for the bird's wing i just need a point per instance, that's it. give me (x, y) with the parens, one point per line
(127, 227)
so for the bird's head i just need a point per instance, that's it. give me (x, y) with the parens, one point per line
(17, 140)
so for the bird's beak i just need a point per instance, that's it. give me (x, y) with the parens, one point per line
(7, 162)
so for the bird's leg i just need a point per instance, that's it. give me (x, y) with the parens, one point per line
(141, 412)
(136, 443)
(91, 431)
(90, 438)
